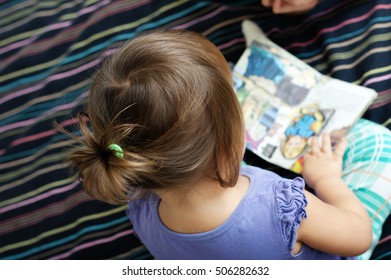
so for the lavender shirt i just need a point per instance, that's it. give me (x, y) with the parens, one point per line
(263, 226)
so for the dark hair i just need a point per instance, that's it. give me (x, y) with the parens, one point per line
(167, 99)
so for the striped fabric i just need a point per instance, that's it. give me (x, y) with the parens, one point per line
(48, 51)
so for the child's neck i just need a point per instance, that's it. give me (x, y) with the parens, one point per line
(203, 207)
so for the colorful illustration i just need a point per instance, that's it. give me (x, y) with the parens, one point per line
(308, 122)
(285, 102)
(335, 135)
(265, 66)
(298, 165)
(260, 115)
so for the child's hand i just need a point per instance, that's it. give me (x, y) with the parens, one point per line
(322, 162)
(290, 6)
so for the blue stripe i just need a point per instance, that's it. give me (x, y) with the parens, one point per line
(66, 239)
(29, 152)
(383, 256)
(224, 38)
(41, 108)
(99, 47)
(9, 4)
(346, 36)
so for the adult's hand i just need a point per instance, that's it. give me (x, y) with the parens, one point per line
(289, 6)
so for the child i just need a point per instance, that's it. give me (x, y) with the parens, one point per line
(168, 139)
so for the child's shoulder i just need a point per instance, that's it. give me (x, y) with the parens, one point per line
(254, 171)
(259, 176)
(146, 203)
(264, 181)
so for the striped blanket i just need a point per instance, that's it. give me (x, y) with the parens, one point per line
(48, 52)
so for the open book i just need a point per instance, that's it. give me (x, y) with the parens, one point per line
(285, 102)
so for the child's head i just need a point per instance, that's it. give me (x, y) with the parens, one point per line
(166, 98)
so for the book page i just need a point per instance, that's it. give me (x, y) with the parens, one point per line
(285, 102)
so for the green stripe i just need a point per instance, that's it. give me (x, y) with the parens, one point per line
(37, 191)
(378, 38)
(90, 40)
(61, 229)
(382, 70)
(45, 149)
(46, 212)
(23, 13)
(18, 173)
(68, 238)
(374, 202)
(90, 236)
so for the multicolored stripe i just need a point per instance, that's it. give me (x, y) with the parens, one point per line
(48, 52)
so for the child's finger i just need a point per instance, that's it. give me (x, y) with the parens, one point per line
(326, 143)
(314, 144)
(340, 147)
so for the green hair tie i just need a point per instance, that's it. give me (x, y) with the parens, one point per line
(117, 149)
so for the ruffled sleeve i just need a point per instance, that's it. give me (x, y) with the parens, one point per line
(290, 203)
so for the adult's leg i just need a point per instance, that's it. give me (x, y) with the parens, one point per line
(367, 171)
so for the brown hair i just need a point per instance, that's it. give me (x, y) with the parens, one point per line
(167, 99)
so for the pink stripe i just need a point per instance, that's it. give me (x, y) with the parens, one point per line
(51, 28)
(38, 198)
(385, 92)
(51, 79)
(230, 43)
(70, 34)
(93, 7)
(32, 39)
(384, 239)
(34, 48)
(42, 134)
(383, 102)
(207, 16)
(92, 243)
(32, 121)
(377, 79)
(330, 29)
(325, 12)
(377, 105)
(33, 137)
(49, 211)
